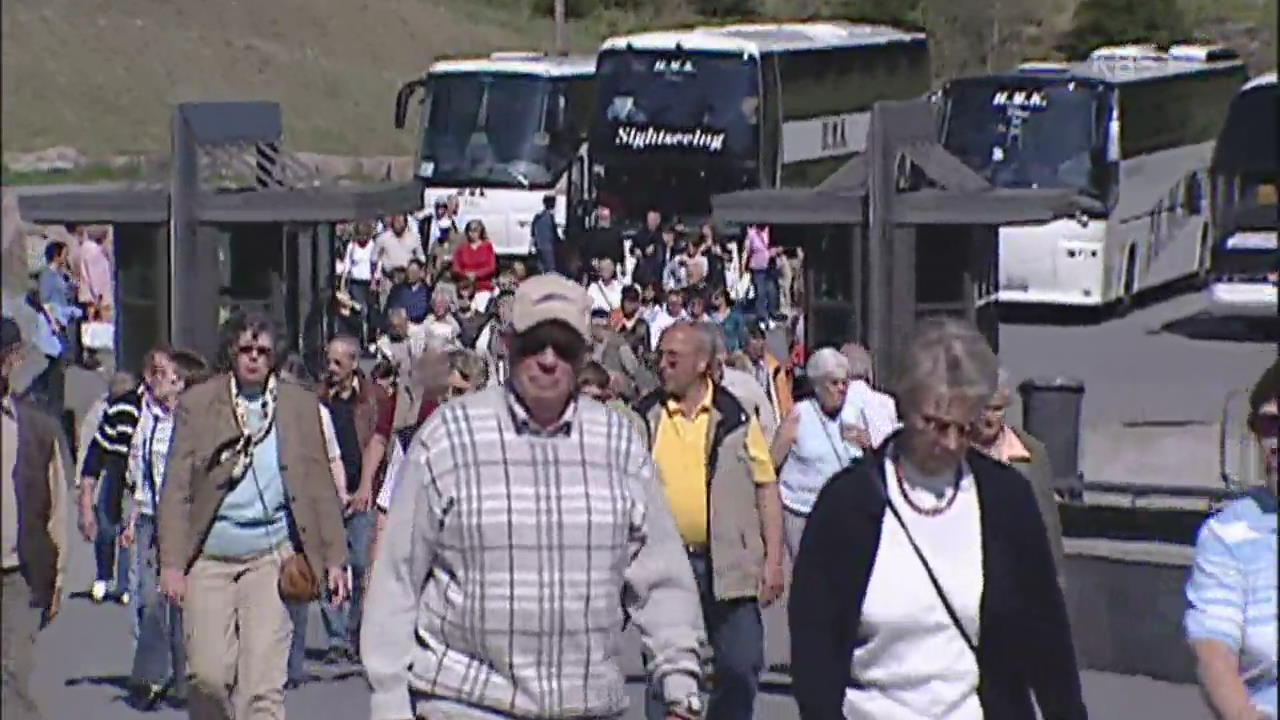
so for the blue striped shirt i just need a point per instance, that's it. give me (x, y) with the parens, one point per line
(1231, 596)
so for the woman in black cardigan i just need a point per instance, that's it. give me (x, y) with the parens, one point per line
(924, 587)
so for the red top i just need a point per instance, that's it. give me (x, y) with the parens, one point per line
(480, 260)
(387, 415)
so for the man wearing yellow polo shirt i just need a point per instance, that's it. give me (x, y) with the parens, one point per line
(714, 464)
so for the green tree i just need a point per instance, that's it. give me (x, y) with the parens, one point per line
(1110, 22)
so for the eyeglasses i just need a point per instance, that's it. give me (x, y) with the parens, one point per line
(1266, 425)
(943, 426)
(255, 351)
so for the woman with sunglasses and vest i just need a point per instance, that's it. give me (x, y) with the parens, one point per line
(924, 586)
(1231, 597)
(248, 520)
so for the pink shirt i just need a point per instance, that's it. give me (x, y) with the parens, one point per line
(757, 249)
(95, 275)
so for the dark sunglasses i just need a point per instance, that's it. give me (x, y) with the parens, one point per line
(1266, 425)
(255, 351)
(566, 345)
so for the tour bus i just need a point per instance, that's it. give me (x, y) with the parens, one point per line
(502, 132)
(1131, 131)
(1243, 182)
(682, 115)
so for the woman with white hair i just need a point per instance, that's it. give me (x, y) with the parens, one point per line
(924, 586)
(811, 444)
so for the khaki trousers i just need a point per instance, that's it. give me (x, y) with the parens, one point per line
(238, 634)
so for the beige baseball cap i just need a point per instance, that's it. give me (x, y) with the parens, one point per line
(551, 296)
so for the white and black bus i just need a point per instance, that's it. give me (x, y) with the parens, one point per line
(683, 115)
(1245, 261)
(502, 131)
(1131, 130)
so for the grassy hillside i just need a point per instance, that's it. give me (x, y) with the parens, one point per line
(100, 75)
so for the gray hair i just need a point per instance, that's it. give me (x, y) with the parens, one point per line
(950, 357)
(348, 343)
(827, 364)
(471, 366)
(705, 335)
(859, 360)
(1004, 381)
(719, 345)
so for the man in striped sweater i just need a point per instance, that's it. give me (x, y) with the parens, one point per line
(102, 481)
(526, 527)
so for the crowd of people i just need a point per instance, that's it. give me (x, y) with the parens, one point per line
(403, 286)
(492, 474)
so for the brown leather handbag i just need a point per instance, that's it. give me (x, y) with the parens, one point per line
(298, 582)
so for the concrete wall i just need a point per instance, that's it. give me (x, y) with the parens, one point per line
(1126, 601)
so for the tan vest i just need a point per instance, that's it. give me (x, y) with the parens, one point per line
(737, 546)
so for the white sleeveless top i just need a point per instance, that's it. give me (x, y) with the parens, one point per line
(910, 660)
(819, 452)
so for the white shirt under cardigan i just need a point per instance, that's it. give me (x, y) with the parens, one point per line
(910, 661)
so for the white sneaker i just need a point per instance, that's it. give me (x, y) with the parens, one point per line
(124, 598)
(98, 591)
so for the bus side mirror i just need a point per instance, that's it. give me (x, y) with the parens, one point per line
(403, 97)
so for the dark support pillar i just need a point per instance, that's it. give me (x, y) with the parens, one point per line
(194, 309)
(983, 247)
(879, 226)
(903, 298)
(857, 280)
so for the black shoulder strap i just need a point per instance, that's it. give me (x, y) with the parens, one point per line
(928, 569)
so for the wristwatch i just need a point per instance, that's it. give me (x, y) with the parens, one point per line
(689, 708)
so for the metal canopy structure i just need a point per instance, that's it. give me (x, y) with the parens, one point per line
(238, 223)
(922, 236)
(108, 205)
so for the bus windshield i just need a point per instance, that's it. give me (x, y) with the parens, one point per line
(1246, 149)
(492, 129)
(1028, 132)
(678, 104)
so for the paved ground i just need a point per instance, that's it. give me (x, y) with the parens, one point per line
(85, 655)
(1130, 375)
(1133, 372)
(1153, 400)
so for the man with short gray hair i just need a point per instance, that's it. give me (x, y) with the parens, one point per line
(741, 384)
(864, 406)
(352, 403)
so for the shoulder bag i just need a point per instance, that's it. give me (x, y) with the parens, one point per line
(298, 583)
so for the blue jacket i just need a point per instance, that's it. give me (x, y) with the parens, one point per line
(415, 301)
(544, 231)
